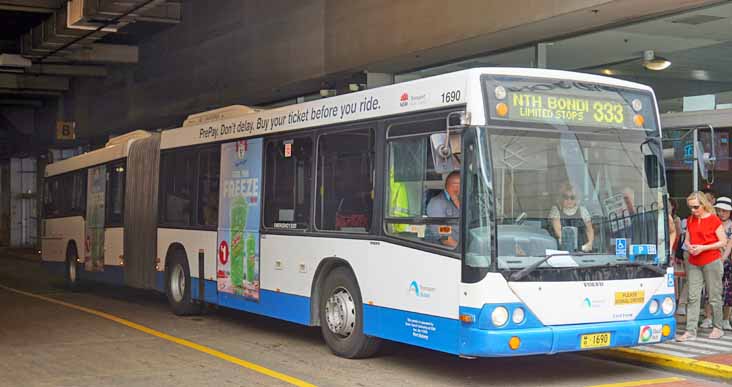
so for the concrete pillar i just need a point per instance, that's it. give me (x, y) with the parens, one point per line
(540, 55)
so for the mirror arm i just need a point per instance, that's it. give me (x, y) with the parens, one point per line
(444, 149)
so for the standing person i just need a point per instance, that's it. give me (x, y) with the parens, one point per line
(724, 209)
(677, 256)
(677, 227)
(704, 238)
(672, 236)
(707, 322)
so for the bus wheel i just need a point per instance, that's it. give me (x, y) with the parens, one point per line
(178, 287)
(71, 272)
(341, 316)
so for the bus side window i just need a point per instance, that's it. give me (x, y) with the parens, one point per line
(344, 180)
(177, 172)
(288, 184)
(77, 187)
(208, 187)
(115, 194)
(412, 183)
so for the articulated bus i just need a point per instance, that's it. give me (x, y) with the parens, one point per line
(487, 212)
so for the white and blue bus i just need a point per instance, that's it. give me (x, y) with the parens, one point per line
(337, 213)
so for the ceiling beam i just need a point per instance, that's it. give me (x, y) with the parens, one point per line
(38, 6)
(31, 93)
(69, 70)
(21, 102)
(106, 53)
(16, 82)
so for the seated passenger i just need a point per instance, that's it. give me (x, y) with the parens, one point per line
(570, 214)
(446, 205)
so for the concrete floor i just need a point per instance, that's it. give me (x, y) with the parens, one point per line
(44, 344)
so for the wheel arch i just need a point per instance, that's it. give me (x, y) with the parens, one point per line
(325, 266)
(69, 244)
(175, 249)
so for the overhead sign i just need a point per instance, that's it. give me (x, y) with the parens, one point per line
(583, 111)
(65, 130)
(572, 103)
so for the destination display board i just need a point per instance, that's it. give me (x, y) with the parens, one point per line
(571, 103)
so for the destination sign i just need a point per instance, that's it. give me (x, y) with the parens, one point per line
(572, 110)
(571, 103)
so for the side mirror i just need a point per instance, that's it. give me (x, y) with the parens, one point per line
(654, 173)
(440, 147)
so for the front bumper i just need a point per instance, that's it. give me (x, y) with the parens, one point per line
(554, 339)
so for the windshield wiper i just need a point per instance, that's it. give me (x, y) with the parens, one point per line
(523, 272)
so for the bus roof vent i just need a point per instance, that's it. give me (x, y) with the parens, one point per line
(124, 138)
(223, 113)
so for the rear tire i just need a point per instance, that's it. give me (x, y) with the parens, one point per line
(71, 268)
(341, 316)
(178, 287)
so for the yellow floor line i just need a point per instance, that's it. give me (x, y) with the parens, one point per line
(183, 342)
(640, 382)
(692, 365)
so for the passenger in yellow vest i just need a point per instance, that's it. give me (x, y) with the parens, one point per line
(398, 202)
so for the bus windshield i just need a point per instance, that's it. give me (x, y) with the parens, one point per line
(580, 196)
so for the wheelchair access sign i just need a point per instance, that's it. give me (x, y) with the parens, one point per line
(621, 247)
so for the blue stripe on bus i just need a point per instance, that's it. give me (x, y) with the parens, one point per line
(433, 332)
(113, 275)
(284, 306)
(418, 329)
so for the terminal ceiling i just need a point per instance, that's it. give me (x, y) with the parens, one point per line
(44, 44)
(698, 43)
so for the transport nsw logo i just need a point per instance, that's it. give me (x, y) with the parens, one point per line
(420, 291)
(404, 100)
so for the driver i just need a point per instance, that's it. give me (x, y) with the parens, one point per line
(570, 214)
(446, 204)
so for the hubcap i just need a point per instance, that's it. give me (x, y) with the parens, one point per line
(340, 313)
(177, 283)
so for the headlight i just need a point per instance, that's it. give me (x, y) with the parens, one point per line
(518, 316)
(499, 316)
(653, 307)
(668, 305)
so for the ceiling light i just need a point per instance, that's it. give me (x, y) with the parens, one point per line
(608, 72)
(653, 62)
(701, 75)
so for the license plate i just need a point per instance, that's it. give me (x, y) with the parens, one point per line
(596, 340)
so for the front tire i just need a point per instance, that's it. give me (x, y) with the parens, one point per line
(178, 287)
(341, 316)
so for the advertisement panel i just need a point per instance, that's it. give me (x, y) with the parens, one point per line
(239, 218)
(94, 244)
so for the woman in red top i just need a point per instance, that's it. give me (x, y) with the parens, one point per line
(705, 237)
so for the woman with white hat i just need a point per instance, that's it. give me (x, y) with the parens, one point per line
(724, 210)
